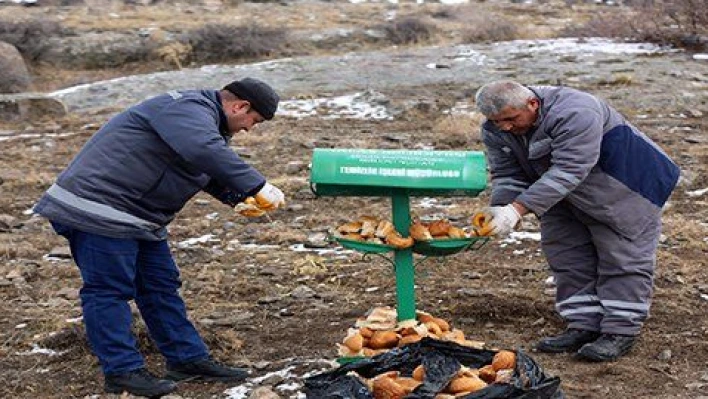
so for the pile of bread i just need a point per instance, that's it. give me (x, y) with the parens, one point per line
(373, 230)
(392, 385)
(379, 231)
(380, 331)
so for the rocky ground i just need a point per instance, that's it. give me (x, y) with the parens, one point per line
(274, 295)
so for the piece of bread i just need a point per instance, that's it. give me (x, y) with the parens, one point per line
(465, 384)
(384, 229)
(353, 236)
(487, 374)
(350, 227)
(456, 232)
(387, 388)
(480, 225)
(419, 373)
(504, 360)
(479, 220)
(354, 340)
(368, 228)
(383, 340)
(399, 242)
(439, 228)
(419, 232)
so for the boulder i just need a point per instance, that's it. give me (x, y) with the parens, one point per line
(30, 106)
(96, 50)
(15, 77)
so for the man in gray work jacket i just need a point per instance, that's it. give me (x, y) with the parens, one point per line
(598, 185)
(113, 203)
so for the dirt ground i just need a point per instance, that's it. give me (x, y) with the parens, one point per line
(261, 302)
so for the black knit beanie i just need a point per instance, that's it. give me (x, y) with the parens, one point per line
(261, 96)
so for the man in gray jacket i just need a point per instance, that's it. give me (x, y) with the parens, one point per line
(598, 185)
(114, 201)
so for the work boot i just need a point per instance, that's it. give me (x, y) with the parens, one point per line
(138, 382)
(607, 348)
(205, 370)
(569, 341)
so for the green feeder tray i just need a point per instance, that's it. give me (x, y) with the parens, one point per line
(363, 246)
(444, 247)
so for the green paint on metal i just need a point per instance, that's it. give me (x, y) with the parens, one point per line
(350, 359)
(360, 172)
(363, 246)
(448, 246)
(403, 259)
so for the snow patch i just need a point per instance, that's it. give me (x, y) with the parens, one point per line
(197, 240)
(362, 105)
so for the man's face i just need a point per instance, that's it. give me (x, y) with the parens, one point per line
(516, 121)
(242, 116)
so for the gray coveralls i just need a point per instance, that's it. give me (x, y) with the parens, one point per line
(598, 185)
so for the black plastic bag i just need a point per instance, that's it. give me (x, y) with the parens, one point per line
(442, 360)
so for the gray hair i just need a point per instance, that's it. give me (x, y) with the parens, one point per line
(493, 97)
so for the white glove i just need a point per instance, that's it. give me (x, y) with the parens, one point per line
(504, 219)
(270, 198)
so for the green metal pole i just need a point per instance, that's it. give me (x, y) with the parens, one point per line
(403, 259)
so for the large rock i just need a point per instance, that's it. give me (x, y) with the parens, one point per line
(30, 106)
(95, 50)
(14, 77)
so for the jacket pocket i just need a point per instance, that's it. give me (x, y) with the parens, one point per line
(540, 155)
(540, 149)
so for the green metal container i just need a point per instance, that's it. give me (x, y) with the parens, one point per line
(358, 172)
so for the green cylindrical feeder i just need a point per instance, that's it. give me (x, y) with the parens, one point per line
(398, 174)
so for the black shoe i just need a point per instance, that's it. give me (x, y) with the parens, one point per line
(569, 341)
(138, 382)
(205, 370)
(607, 348)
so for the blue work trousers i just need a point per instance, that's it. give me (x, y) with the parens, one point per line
(114, 271)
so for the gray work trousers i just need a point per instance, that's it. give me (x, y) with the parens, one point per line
(604, 281)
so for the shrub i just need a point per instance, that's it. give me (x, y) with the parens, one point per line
(408, 30)
(610, 24)
(217, 43)
(479, 26)
(490, 30)
(29, 36)
(683, 23)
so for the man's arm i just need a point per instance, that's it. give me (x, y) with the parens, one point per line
(229, 197)
(508, 178)
(190, 128)
(575, 150)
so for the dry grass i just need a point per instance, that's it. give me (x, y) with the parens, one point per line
(486, 29)
(462, 128)
(409, 30)
(617, 80)
(686, 230)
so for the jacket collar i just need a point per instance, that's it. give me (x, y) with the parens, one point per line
(223, 120)
(541, 110)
